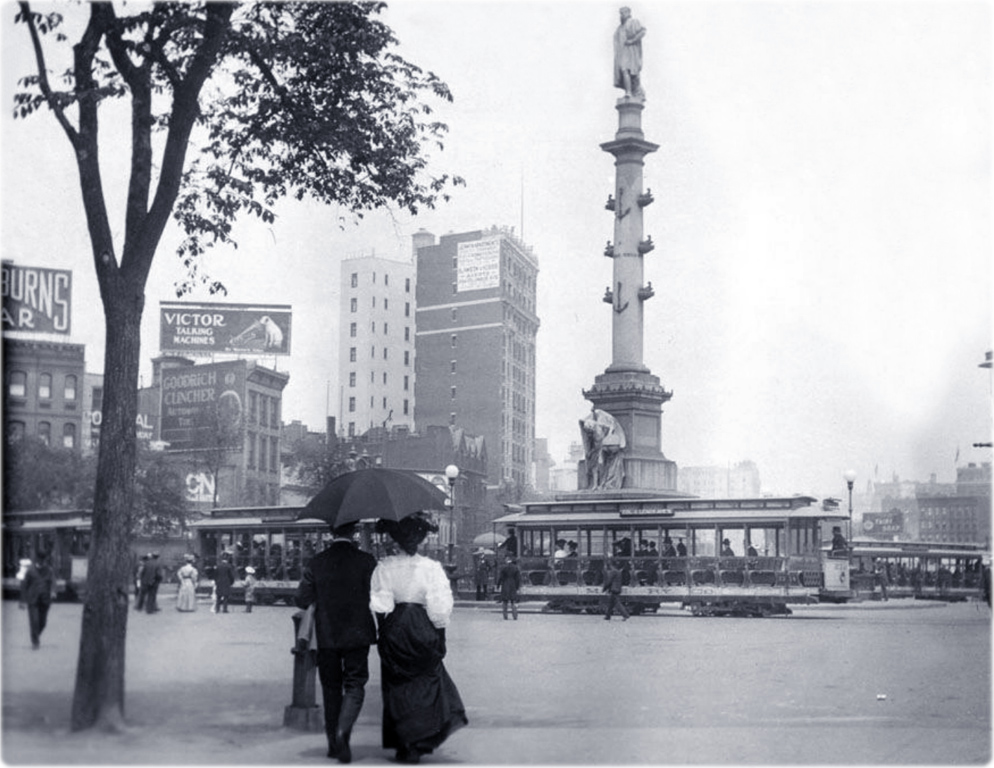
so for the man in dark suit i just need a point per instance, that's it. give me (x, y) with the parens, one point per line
(612, 585)
(151, 578)
(224, 578)
(336, 581)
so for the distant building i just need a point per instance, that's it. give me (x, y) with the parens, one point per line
(738, 481)
(563, 477)
(43, 391)
(376, 344)
(220, 423)
(476, 328)
(544, 465)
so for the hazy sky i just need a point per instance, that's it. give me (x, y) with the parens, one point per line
(822, 222)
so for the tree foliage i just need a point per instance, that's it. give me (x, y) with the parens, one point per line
(160, 496)
(39, 476)
(232, 107)
(313, 463)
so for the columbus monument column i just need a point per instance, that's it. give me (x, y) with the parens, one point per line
(627, 395)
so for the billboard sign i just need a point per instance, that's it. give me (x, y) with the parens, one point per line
(36, 299)
(478, 264)
(201, 404)
(190, 328)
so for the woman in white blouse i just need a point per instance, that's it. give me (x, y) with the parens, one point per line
(412, 600)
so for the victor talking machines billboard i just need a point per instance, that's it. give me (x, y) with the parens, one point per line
(188, 328)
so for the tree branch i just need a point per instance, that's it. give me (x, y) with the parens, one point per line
(43, 84)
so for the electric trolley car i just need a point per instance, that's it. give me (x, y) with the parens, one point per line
(750, 557)
(921, 570)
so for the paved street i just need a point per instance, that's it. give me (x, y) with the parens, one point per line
(548, 689)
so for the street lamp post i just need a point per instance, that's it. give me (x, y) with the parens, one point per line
(451, 473)
(850, 476)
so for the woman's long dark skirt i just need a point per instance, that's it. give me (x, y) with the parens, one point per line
(421, 704)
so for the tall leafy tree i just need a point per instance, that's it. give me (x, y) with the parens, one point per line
(232, 107)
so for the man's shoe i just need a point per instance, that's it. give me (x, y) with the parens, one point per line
(344, 750)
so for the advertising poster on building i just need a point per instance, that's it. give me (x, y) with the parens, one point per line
(36, 299)
(478, 264)
(202, 405)
(883, 524)
(189, 328)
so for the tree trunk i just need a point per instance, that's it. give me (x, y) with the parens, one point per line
(98, 700)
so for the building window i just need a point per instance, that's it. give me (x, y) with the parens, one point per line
(407, 285)
(452, 418)
(455, 288)
(351, 354)
(453, 392)
(251, 450)
(351, 378)
(386, 279)
(69, 436)
(351, 405)
(355, 279)
(15, 430)
(18, 384)
(407, 358)
(45, 432)
(385, 351)
(372, 377)
(407, 309)
(374, 302)
(70, 391)
(351, 429)
(453, 363)
(385, 325)
(406, 406)
(354, 304)
(253, 407)
(384, 403)
(384, 377)
(352, 330)
(407, 333)
(386, 303)
(406, 383)
(455, 262)
(262, 453)
(274, 412)
(374, 278)
(372, 326)
(45, 386)
(453, 341)
(372, 351)
(453, 314)
(97, 399)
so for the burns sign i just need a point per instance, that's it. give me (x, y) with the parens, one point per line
(36, 299)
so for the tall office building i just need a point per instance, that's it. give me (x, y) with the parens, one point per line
(376, 349)
(476, 329)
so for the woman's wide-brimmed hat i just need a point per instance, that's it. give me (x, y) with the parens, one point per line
(250, 569)
(189, 558)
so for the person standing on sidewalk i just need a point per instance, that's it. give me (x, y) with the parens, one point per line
(37, 593)
(509, 582)
(612, 585)
(224, 577)
(139, 588)
(151, 578)
(336, 582)
(250, 582)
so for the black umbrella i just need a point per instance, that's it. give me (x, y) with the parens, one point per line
(369, 494)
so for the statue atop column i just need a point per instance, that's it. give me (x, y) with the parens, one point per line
(628, 55)
(603, 449)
